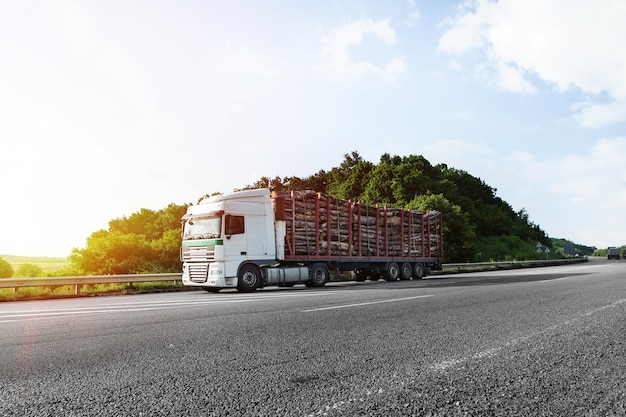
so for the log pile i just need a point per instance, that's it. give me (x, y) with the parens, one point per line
(321, 225)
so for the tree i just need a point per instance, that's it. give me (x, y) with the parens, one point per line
(145, 242)
(347, 181)
(379, 188)
(6, 270)
(458, 233)
(28, 271)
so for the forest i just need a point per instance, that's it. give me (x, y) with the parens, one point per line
(478, 225)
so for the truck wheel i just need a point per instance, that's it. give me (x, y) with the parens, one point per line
(418, 271)
(392, 272)
(318, 275)
(406, 270)
(249, 278)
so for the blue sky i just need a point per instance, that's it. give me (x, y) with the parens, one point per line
(110, 107)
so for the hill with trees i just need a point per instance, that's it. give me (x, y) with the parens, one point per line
(478, 225)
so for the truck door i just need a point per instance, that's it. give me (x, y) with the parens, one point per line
(236, 244)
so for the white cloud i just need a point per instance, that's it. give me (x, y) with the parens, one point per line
(598, 115)
(338, 64)
(573, 43)
(414, 14)
(510, 78)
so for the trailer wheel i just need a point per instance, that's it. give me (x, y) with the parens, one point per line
(392, 272)
(318, 275)
(406, 270)
(418, 271)
(249, 278)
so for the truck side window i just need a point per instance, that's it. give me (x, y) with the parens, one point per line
(234, 225)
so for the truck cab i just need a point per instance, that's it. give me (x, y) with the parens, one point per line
(225, 234)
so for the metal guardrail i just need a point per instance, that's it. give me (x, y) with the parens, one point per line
(78, 282)
(511, 264)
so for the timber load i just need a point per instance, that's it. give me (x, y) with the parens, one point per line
(321, 226)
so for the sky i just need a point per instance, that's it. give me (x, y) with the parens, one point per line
(108, 107)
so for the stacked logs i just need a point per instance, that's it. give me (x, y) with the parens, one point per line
(317, 222)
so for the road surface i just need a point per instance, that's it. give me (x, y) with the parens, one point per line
(542, 341)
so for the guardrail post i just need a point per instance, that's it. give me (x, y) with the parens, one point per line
(77, 289)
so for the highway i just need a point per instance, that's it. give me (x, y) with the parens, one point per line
(540, 341)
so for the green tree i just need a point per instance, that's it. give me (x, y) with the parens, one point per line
(113, 252)
(348, 181)
(165, 252)
(6, 270)
(145, 242)
(28, 271)
(379, 188)
(413, 176)
(458, 233)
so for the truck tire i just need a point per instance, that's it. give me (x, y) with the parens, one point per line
(418, 271)
(391, 272)
(318, 275)
(406, 270)
(249, 278)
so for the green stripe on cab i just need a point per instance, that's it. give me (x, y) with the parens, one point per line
(203, 242)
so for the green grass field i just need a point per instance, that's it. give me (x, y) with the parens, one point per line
(45, 263)
(50, 265)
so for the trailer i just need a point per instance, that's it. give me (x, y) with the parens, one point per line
(613, 252)
(254, 238)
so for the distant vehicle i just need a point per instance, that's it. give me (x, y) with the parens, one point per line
(251, 239)
(613, 252)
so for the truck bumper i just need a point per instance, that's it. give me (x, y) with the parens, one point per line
(206, 274)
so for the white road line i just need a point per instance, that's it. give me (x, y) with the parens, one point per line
(363, 304)
(555, 279)
(118, 307)
(497, 349)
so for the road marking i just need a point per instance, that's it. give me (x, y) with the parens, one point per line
(495, 350)
(139, 306)
(364, 304)
(555, 279)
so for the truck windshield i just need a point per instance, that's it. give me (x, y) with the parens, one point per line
(202, 228)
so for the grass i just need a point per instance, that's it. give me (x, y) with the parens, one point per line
(67, 291)
(47, 265)
(50, 265)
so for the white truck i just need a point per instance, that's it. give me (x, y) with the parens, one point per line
(254, 238)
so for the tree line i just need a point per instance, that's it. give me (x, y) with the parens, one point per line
(478, 225)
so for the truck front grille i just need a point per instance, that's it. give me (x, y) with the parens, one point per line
(198, 272)
(198, 253)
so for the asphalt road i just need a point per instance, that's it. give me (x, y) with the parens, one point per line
(544, 341)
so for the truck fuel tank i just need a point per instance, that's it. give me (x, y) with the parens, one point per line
(285, 275)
